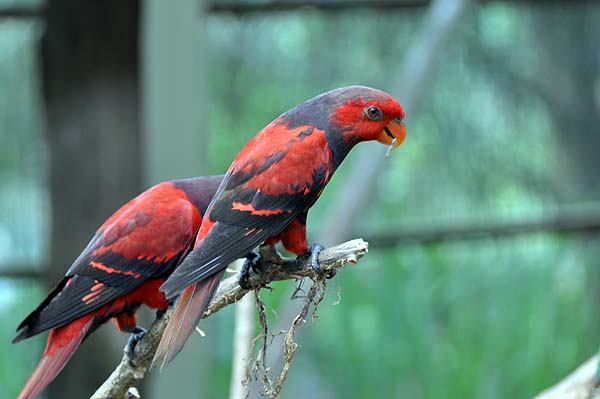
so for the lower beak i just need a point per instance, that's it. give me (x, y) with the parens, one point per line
(393, 134)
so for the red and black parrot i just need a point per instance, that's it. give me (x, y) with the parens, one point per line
(268, 190)
(122, 267)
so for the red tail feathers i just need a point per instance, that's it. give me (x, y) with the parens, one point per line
(62, 343)
(188, 311)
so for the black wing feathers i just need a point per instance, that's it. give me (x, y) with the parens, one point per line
(220, 252)
(30, 320)
(62, 307)
(68, 302)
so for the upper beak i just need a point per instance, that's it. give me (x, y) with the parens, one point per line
(393, 133)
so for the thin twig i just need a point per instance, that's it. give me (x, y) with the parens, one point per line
(242, 336)
(313, 298)
(129, 371)
(261, 362)
(258, 369)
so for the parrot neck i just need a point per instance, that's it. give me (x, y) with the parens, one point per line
(340, 147)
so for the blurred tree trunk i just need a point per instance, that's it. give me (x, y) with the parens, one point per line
(175, 144)
(90, 82)
(566, 77)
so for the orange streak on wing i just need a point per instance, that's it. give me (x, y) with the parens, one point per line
(89, 298)
(97, 286)
(238, 206)
(108, 269)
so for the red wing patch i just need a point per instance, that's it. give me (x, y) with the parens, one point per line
(157, 225)
(288, 148)
(143, 239)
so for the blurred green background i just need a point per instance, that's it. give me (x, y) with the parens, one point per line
(482, 279)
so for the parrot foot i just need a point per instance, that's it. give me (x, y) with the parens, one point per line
(137, 333)
(252, 262)
(313, 252)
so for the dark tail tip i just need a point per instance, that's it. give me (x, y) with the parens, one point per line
(22, 333)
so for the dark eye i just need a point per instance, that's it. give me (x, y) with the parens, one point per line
(373, 113)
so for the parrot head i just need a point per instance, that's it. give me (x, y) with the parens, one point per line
(362, 114)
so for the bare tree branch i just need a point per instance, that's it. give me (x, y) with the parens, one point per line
(263, 7)
(580, 384)
(577, 218)
(133, 369)
(22, 12)
(245, 7)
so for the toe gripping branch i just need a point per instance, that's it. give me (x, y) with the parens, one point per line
(252, 262)
(137, 333)
(314, 250)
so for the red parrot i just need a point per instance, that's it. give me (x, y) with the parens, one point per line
(268, 190)
(123, 266)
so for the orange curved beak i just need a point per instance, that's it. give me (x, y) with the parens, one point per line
(393, 134)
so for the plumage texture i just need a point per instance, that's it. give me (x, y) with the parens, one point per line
(122, 267)
(273, 182)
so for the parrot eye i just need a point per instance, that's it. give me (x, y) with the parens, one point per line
(373, 113)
